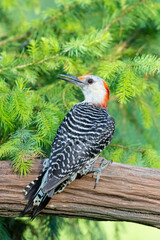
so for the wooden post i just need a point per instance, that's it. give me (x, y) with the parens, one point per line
(124, 193)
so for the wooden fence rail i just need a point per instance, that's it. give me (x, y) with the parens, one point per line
(124, 193)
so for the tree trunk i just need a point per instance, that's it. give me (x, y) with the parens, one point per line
(124, 193)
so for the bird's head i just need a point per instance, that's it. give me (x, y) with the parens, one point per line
(94, 88)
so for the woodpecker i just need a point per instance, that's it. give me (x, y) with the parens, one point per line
(85, 131)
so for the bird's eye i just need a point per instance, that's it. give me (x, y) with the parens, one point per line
(90, 81)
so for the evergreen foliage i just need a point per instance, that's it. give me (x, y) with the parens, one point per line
(117, 40)
(49, 228)
(33, 103)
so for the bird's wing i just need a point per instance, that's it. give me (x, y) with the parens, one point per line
(53, 183)
(82, 135)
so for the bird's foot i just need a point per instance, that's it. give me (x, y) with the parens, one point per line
(98, 171)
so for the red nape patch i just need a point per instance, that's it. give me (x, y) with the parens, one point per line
(106, 98)
(107, 89)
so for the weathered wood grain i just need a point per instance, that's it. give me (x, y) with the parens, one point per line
(124, 193)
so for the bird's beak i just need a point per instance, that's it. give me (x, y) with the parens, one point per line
(71, 79)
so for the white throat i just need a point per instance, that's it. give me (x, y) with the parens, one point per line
(94, 94)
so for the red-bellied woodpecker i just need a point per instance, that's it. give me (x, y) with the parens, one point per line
(85, 131)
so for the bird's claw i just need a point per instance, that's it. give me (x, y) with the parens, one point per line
(98, 171)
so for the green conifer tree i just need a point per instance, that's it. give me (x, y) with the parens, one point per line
(117, 40)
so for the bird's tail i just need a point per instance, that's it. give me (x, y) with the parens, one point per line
(37, 200)
(43, 200)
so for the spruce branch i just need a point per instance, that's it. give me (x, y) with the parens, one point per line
(146, 64)
(124, 44)
(15, 38)
(61, 13)
(91, 44)
(76, 49)
(116, 54)
(128, 148)
(31, 63)
(148, 114)
(124, 12)
(63, 96)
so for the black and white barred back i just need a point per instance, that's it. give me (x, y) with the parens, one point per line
(84, 133)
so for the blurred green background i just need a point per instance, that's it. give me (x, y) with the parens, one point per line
(117, 40)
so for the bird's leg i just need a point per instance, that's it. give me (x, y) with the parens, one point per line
(99, 170)
(45, 164)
